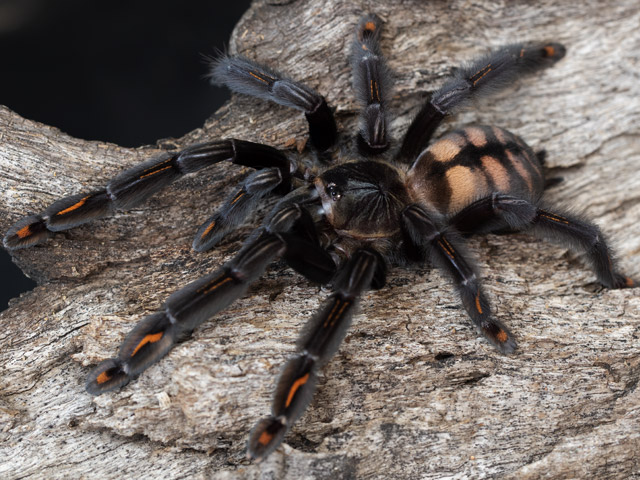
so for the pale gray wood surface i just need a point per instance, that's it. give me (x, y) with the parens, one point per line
(414, 392)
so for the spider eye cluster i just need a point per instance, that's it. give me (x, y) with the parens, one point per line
(334, 192)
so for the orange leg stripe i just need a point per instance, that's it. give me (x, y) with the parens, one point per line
(73, 207)
(265, 438)
(549, 51)
(258, 77)
(628, 282)
(446, 250)
(333, 310)
(204, 287)
(154, 172)
(294, 388)
(238, 197)
(268, 76)
(151, 338)
(220, 283)
(208, 229)
(502, 336)
(370, 26)
(478, 307)
(168, 160)
(484, 71)
(555, 219)
(24, 232)
(345, 305)
(448, 245)
(103, 377)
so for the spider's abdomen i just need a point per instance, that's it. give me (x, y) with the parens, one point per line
(472, 163)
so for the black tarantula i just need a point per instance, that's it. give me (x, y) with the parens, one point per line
(343, 220)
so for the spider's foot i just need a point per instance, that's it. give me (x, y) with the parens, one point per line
(621, 281)
(265, 438)
(108, 375)
(554, 51)
(26, 232)
(499, 336)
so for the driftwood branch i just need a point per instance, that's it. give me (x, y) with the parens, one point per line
(414, 392)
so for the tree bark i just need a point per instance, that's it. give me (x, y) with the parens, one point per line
(414, 391)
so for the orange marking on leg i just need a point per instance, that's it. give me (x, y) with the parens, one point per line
(238, 197)
(258, 77)
(522, 53)
(478, 307)
(502, 336)
(335, 305)
(370, 26)
(446, 250)
(339, 314)
(213, 287)
(103, 377)
(553, 218)
(294, 388)
(151, 338)
(265, 438)
(268, 76)
(451, 250)
(628, 281)
(549, 51)
(482, 71)
(73, 207)
(168, 160)
(24, 232)
(208, 229)
(154, 172)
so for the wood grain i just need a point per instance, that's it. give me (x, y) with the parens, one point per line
(414, 392)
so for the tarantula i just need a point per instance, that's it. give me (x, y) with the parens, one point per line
(343, 218)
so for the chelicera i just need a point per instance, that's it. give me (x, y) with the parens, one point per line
(346, 217)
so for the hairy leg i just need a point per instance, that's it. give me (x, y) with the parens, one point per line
(445, 252)
(318, 342)
(481, 77)
(372, 82)
(137, 184)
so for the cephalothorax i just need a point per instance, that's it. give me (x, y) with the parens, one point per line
(343, 221)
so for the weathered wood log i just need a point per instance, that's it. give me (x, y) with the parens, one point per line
(414, 392)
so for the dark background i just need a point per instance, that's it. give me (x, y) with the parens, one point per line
(127, 72)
